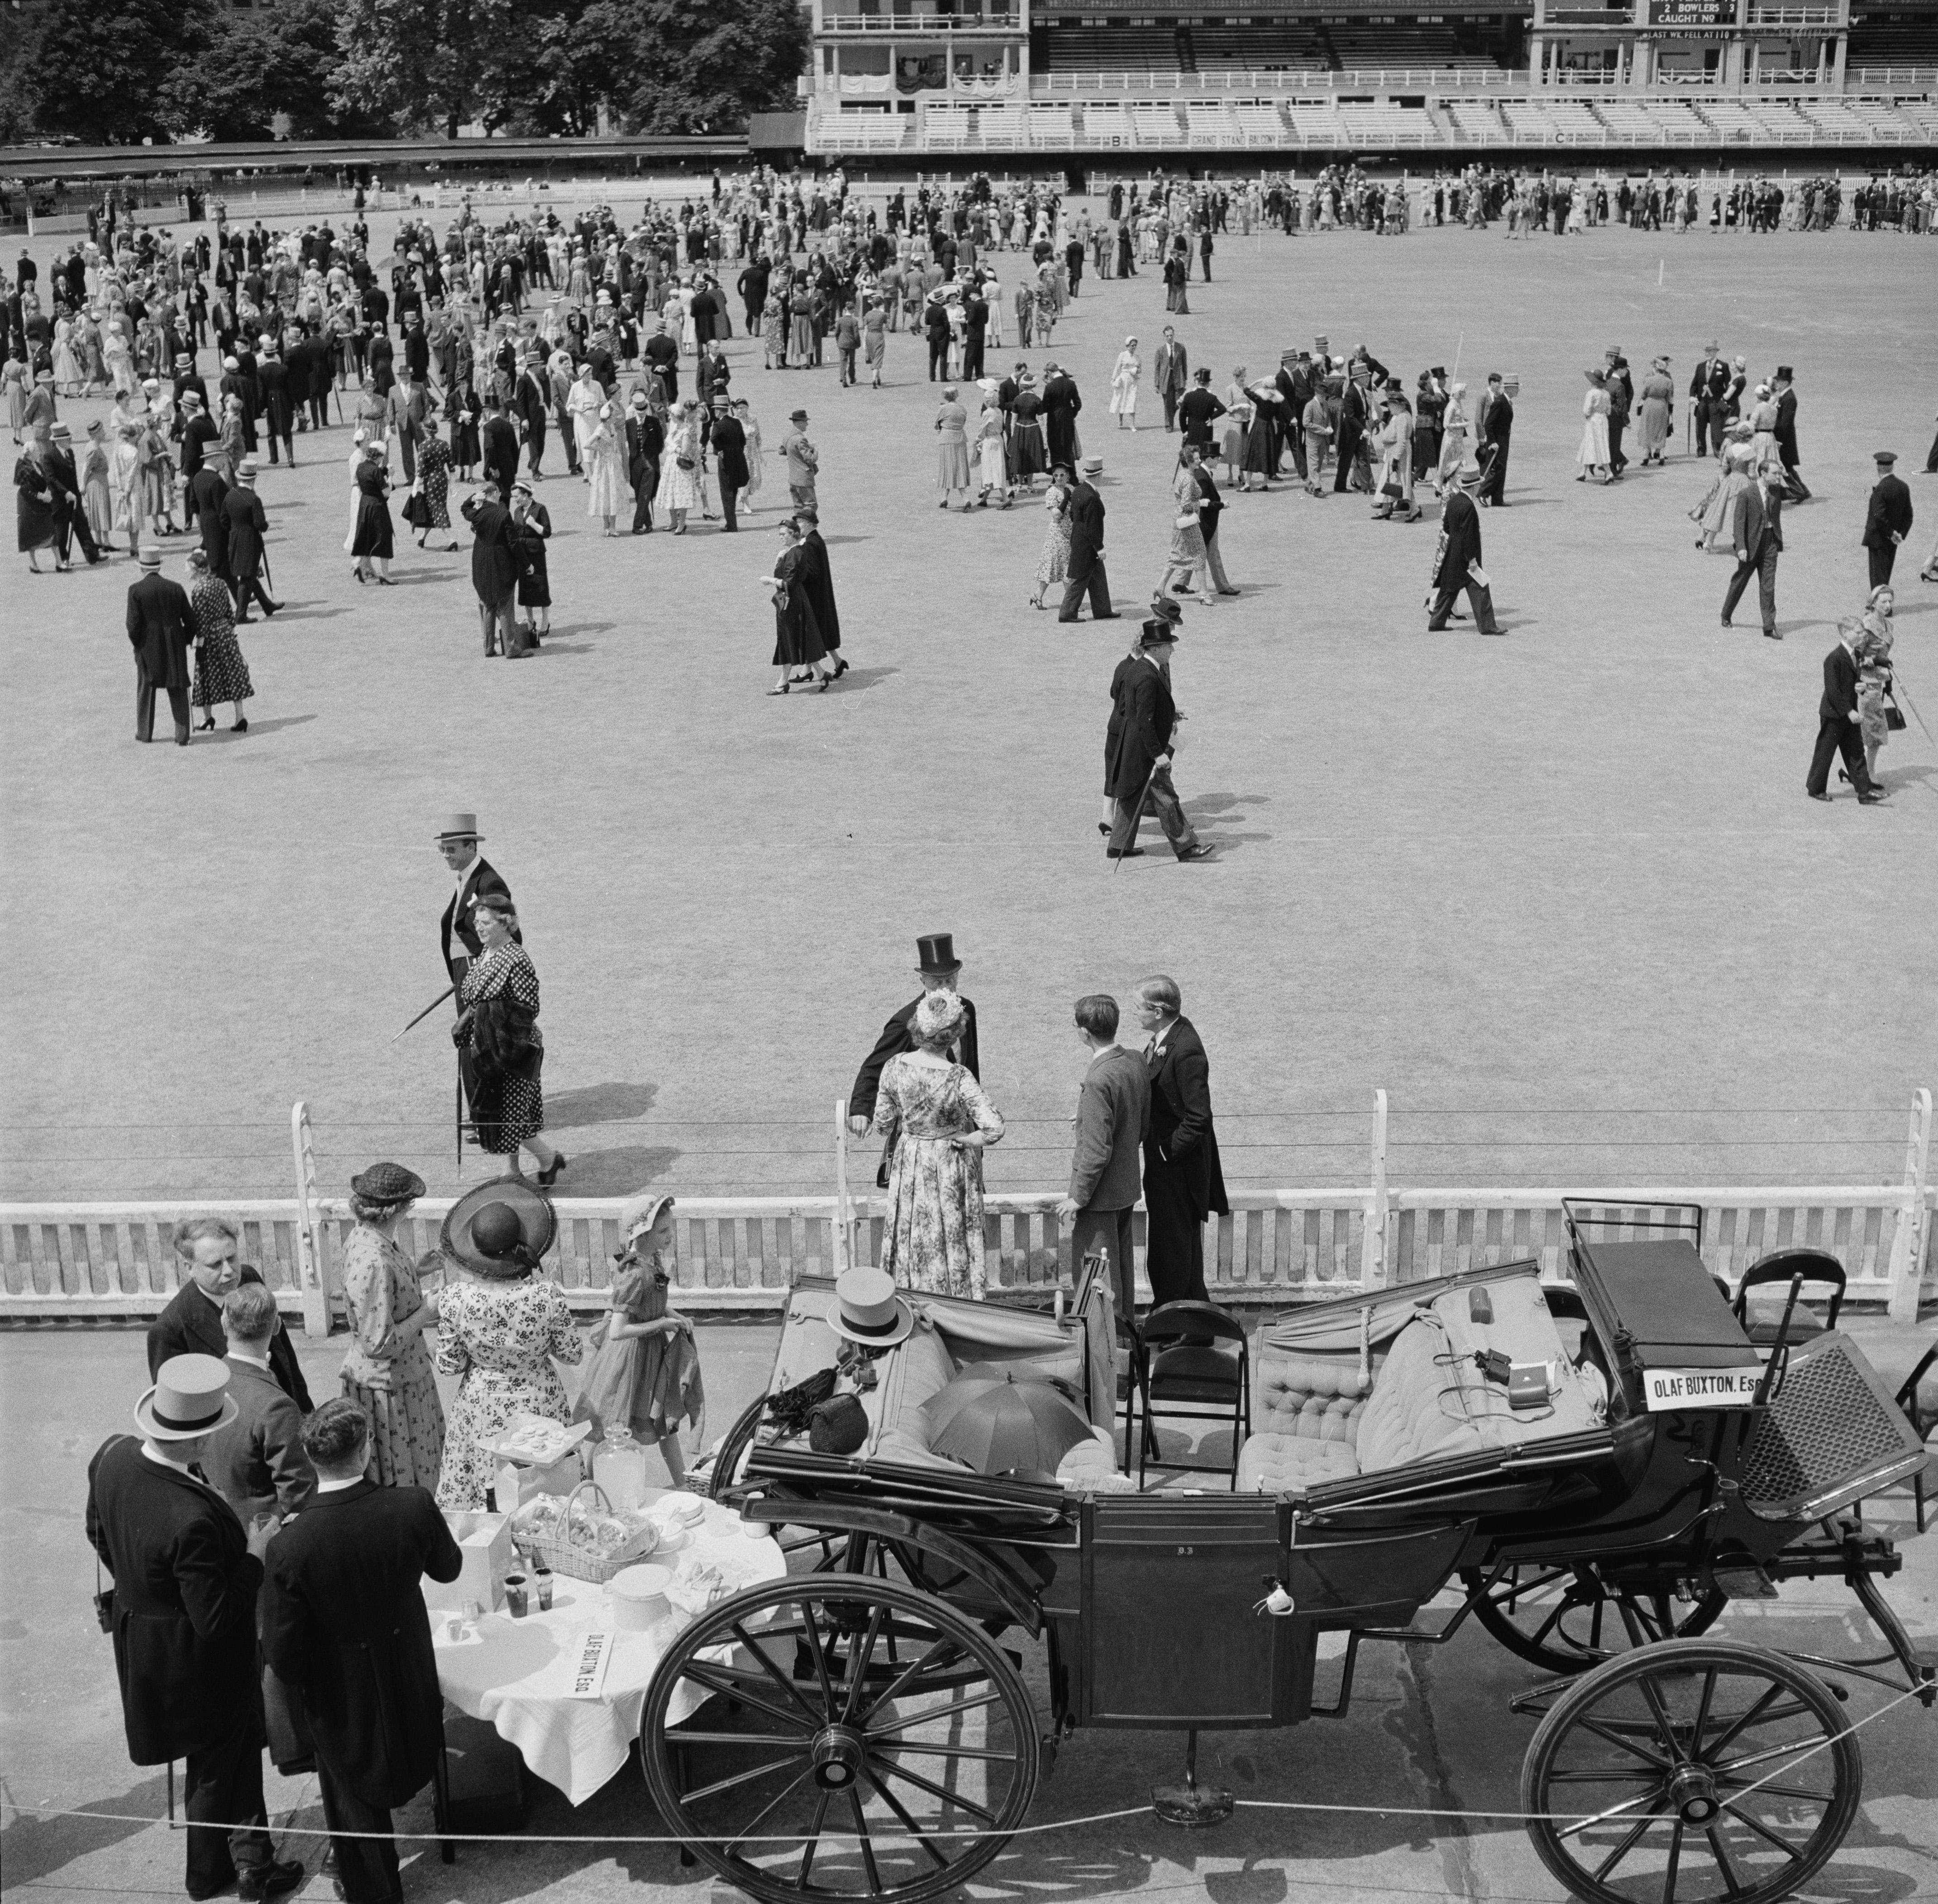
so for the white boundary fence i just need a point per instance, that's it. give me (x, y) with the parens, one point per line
(741, 1254)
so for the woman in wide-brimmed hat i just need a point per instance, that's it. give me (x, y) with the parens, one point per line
(388, 1372)
(499, 1330)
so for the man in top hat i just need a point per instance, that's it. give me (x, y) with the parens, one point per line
(816, 580)
(729, 440)
(940, 971)
(71, 523)
(246, 525)
(529, 396)
(278, 414)
(1457, 562)
(344, 1619)
(161, 630)
(1061, 404)
(1785, 433)
(1495, 429)
(1707, 389)
(1888, 521)
(1139, 743)
(458, 943)
(803, 460)
(183, 1613)
(1621, 387)
(1184, 1181)
(646, 440)
(494, 571)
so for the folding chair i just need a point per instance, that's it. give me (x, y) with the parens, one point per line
(1918, 1398)
(1785, 1266)
(1198, 1378)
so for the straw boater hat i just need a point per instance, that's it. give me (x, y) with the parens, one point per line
(189, 1398)
(867, 1310)
(500, 1229)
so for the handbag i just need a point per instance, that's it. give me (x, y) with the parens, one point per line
(416, 509)
(1393, 490)
(1894, 716)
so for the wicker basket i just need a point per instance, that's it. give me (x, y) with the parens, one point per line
(562, 1557)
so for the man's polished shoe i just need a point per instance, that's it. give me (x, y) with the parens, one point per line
(1109, 615)
(270, 1881)
(1123, 852)
(1199, 851)
(1873, 798)
(1824, 798)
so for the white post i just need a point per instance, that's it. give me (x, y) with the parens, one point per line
(1907, 1245)
(1373, 1243)
(312, 1275)
(844, 1208)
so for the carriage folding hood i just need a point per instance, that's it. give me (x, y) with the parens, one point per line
(1661, 1313)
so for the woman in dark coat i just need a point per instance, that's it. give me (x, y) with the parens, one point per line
(796, 634)
(34, 505)
(375, 540)
(531, 530)
(462, 408)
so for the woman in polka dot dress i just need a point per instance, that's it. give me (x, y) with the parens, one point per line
(500, 1049)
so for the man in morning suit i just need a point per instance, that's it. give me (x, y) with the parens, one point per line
(1456, 561)
(1838, 730)
(1707, 389)
(344, 1619)
(817, 583)
(457, 940)
(1496, 434)
(256, 1463)
(1085, 570)
(192, 1323)
(183, 1613)
(1887, 521)
(1785, 433)
(494, 571)
(1061, 404)
(940, 971)
(1138, 745)
(1184, 1182)
(1756, 534)
(1112, 1115)
(161, 630)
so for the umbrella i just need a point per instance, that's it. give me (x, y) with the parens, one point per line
(997, 1422)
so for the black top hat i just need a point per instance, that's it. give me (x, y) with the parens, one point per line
(936, 952)
(1783, 373)
(499, 1229)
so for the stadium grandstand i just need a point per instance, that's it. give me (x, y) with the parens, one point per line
(1766, 82)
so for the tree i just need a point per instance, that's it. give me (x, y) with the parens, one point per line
(265, 62)
(704, 65)
(101, 70)
(420, 64)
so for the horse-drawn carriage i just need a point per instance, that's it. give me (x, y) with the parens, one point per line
(1595, 1468)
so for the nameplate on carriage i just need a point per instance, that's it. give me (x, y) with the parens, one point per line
(588, 1673)
(1700, 1388)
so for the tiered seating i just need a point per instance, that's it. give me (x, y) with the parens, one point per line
(1003, 129)
(1386, 123)
(1558, 122)
(1274, 49)
(946, 129)
(1115, 49)
(1730, 120)
(1471, 119)
(1880, 120)
(1211, 122)
(1923, 115)
(1108, 126)
(1156, 125)
(1259, 124)
(1315, 124)
(1051, 127)
(1893, 43)
(1365, 47)
(1779, 120)
(1667, 122)
(865, 131)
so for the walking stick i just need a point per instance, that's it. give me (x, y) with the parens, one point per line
(428, 1009)
(1137, 816)
(269, 576)
(1898, 689)
(458, 1115)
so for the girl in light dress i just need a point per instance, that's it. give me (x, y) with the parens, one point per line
(1592, 458)
(95, 497)
(609, 495)
(1125, 375)
(991, 458)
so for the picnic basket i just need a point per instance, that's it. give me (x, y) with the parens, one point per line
(562, 1555)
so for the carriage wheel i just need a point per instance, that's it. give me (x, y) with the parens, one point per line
(837, 1737)
(928, 1573)
(1695, 1760)
(1565, 1619)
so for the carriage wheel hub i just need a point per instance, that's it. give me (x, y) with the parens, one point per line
(838, 1757)
(1693, 1791)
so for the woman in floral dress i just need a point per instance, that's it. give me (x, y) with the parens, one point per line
(501, 1050)
(221, 674)
(499, 1336)
(434, 483)
(388, 1372)
(1052, 565)
(936, 1116)
(679, 466)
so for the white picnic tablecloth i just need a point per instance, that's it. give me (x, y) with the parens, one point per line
(516, 1674)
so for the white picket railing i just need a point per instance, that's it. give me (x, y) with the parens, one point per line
(743, 1253)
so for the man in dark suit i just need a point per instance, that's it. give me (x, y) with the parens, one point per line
(1138, 745)
(1457, 562)
(1085, 570)
(70, 520)
(816, 580)
(183, 1613)
(1061, 404)
(1785, 434)
(1496, 432)
(1838, 728)
(1112, 1115)
(256, 1463)
(940, 971)
(976, 333)
(494, 571)
(457, 939)
(1887, 521)
(344, 1619)
(1354, 412)
(1756, 533)
(645, 438)
(1198, 410)
(1184, 1182)
(161, 632)
(499, 444)
(278, 422)
(1707, 389)
(191, 1322)
(729, 441)
(528, 397)
(246, 525)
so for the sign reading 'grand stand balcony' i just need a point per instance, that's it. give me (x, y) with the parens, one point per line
(1699, 15)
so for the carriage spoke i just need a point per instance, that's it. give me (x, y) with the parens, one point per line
(1703, 1706)
(813, 1636)
(743, 1778)
(859, 1657)
(1614, 1739)
(1795, 1748)
(1621, 1776)
(941, 1792)
(1725, 1740)
(909, 1825)
(715, 1679)
(767, 1811)
(1730, 1881)
(797, 1743)
(774, 1673)
(1675, 1860)
(1762, 1830)
(1795, 1791)
(1627, 1844)
(1665, 1726)
(867, 1842)
(942, 1651)
(933, 1712)
(813, 1844)
(878, 1744)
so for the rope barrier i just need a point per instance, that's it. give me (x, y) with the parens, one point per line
(1790, 1756)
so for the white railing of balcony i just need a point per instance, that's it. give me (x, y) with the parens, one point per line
(911, 24)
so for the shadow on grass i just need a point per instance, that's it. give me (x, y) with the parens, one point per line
(304, 612)
(616, 1173)
(259, 727)
(598, 1103)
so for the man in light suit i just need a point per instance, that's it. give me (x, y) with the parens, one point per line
(1184, 1181)
(458, 939)
(1112, 1115)
(1756, 533)
(1171, 371)
(256, 1463)
(344, 1619)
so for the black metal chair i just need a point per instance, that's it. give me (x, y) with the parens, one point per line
(1784, 1267)
(1919, 1400)
(1197, 1378)
(1133, 1384)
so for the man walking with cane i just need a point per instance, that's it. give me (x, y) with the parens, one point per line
(1139, 745)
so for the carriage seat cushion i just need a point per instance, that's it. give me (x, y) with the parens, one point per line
(1274, 1463)
(1318, 1397)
